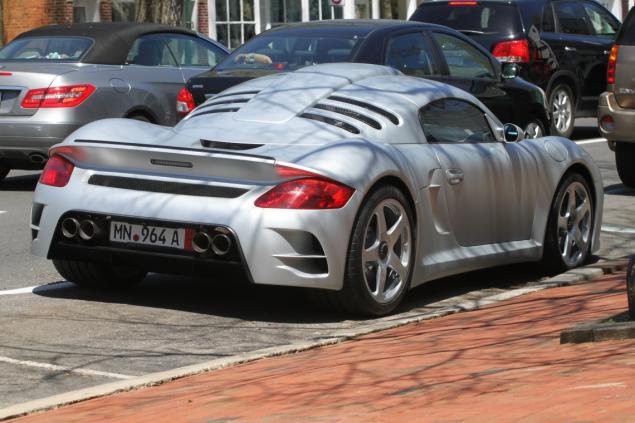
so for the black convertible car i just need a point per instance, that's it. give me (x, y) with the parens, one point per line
(417, 49)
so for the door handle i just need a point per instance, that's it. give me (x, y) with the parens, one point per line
(567, 48)
(455, 176)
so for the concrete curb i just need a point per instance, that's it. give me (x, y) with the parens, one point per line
(580, 275)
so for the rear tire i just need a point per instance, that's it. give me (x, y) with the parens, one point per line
(534, 129)
(380, 257)
(562, 107)
(625, 161)
(570, 225)
(98, 275)
(4, 172)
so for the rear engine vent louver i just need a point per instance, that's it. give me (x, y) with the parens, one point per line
(385, 113)
(208, 112)
(350, 113)
(226, 105)
(335, 122)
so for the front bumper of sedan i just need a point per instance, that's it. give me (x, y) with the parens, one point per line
(303, 248)
(25, 140)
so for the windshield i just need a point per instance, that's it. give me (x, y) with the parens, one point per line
(472, 18)
(55, 49)
(290, 51)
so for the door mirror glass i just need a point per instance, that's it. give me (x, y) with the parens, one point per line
(510, 70)
(513, 133)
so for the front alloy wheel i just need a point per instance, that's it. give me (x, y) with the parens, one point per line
(562, 111)
(570, 228)
(534, 130)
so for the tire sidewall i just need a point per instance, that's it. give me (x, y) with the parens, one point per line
(552, 250)
(554, 130)
(624, 161)
(354, 285)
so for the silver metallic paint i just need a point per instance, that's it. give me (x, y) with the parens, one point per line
(496, 220)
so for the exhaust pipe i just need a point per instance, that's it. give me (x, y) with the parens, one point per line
(221, 244)
(70, 227)
(201, 243)
(88, 230)
(37, 158)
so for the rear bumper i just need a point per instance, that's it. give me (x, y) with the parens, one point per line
(624, 119)
(23, 143)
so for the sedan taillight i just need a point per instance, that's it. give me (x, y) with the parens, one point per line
(184, 102)
(67, 96)
(612, 66)
(516, 51)
(57, 172)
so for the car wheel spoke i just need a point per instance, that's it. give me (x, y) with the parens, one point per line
(380, 281)
(395, 232)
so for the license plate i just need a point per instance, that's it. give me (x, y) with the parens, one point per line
(150, 235)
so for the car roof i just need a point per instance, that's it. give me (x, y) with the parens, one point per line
(112, 40)
(364, 26)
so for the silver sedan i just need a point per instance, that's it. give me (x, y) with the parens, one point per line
(57, 78)
(351, 179)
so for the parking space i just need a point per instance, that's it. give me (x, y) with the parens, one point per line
(57, 337)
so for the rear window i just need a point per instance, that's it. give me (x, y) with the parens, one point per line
(54, 49)
(292, 50)
(626, 35)
(472, 18)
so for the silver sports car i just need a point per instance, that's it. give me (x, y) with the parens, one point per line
(57, 78)
(353, 179)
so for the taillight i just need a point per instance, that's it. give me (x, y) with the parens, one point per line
(612, 66)
(57, 171)
(184, 102)
(516, 51)
(68, 96)
(308, 192)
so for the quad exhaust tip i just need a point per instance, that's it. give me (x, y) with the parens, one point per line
(88, 229)
(219, 244)
(70, 227)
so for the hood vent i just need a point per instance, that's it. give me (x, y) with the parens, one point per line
(228, 103)
(335, 122)
(385, 113)
(350, 113)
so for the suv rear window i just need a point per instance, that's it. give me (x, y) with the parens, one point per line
(472, 18)
(626, 35)
(54, 49)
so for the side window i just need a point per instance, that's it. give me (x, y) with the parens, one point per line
(411, 54)
(463, 59)
(601, 21)
(192, 51)
(571, 17)
(548, 20)
(150, 50)
(451, 120)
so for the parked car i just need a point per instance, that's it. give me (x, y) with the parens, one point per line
(560, 45)
(616, 112)
(57, 78)
(428, 51)
(352, 179)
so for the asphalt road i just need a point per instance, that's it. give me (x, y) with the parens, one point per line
(57, 338)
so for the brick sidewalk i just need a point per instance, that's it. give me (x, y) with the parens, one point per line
(501, 363)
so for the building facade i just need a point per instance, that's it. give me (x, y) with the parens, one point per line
(230, 21)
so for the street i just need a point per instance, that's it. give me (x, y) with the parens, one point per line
(58, 338)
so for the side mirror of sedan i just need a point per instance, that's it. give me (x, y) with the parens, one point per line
(510, 70)
(513, 133)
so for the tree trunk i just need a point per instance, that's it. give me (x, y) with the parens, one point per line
(159, 11)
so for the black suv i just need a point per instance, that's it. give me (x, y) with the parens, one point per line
(562, 45)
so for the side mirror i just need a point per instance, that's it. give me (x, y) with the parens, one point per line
(513, 133)
(510, 70)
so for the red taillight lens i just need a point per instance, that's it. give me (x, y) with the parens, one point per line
(612, 66)
(69, 96)
(307, 193)
(184, 102)
(516, 51)
(57, 172)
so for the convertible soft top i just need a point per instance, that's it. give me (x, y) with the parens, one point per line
(112, 39)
